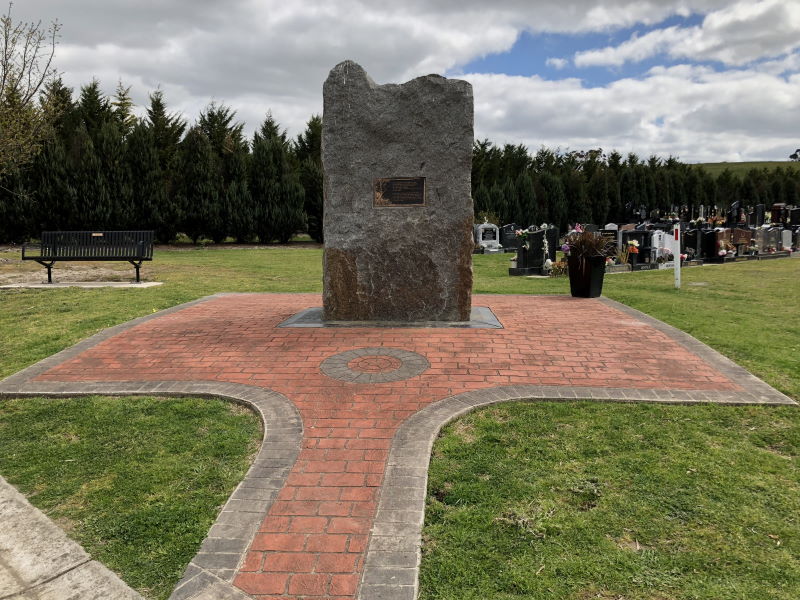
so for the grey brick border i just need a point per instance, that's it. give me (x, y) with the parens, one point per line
(412, 364)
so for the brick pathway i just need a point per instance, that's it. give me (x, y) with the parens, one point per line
(312, 541)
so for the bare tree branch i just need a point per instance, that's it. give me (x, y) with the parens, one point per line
(26, 64)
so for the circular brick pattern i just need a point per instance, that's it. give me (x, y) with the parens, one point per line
(374, 365)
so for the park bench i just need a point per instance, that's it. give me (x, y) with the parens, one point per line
(132, 246)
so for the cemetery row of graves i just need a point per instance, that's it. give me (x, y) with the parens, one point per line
(707, 236)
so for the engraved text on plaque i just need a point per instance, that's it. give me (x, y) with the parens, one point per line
(399, 191)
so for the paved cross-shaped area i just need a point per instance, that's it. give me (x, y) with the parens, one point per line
(355, 387)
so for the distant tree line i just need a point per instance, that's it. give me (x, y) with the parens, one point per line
(511, 185)
(101, 167)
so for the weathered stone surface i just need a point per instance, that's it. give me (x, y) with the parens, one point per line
(397, 262)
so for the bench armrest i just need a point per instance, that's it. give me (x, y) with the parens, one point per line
(31, 249)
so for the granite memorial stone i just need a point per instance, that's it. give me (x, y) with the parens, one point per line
(397, 159)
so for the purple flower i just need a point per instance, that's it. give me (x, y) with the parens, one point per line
(565, 248)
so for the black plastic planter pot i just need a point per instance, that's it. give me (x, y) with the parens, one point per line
(586, 276)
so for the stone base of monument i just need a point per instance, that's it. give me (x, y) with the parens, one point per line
(481, 317)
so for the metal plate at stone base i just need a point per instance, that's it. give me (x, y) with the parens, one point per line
(481, 317)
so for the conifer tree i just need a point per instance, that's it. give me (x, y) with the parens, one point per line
(56, 198)
(197, 190)
(527, 204)
(114, 170)
(577, 199)
(307, 152)
(481, 200)
(497, 202)
(93, 206)
(309, 143)
(240, 209)
(510, 207)
(148, 206)
(123, 109)
(16, 208)
(311, 180)
(597, 190)
(615, 210)
(167, 130)
(274, 186)
(94, 108)
(554, 197)
(228, 145)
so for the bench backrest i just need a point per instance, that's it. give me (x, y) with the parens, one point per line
(98, 244)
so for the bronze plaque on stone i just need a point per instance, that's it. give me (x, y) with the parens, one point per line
(399, 191)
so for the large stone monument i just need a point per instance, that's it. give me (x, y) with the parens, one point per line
(398, 209)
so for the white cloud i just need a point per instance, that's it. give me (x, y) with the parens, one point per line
(260, 55)
(691, 112)
(734, 35)
(557, 63)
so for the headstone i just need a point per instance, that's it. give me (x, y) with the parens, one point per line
(691, 243)
(611, 227)
(732, 214)
(397, 160)
(794, 216)
(530, 260)
(552, 242)
(591, 227)
(487, 236)
(774, 237)
(761, 239)
(508, 236)
(760, 215)
(786, 239)
(779, 213)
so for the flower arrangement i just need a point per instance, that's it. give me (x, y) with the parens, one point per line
(522, 238)
(633, 247)
(559, 269)
(683, 257)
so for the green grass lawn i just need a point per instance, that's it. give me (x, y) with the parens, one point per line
(572, 501)
(748, 311)
(137, 481)
(741, 168)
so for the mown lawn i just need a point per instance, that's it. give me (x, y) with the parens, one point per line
(572, 501)
(137, 481)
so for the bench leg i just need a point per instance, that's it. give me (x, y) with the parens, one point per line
(137, 265)
(49, 267)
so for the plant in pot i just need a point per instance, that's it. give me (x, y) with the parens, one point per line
(633, 252)
(586, 262)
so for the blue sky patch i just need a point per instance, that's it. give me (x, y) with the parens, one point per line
(529, 54)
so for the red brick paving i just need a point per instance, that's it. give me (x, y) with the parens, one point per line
(312, 543)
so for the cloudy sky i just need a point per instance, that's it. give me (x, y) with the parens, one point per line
(703, 80)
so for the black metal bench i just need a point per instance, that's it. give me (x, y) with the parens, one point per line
(132, 246)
